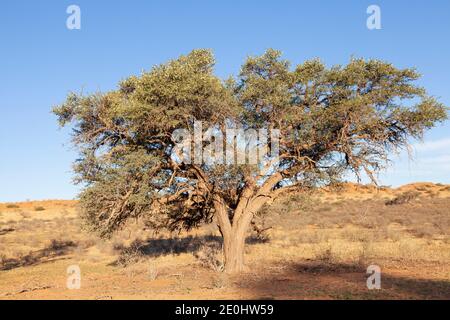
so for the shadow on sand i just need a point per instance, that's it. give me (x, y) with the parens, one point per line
(326, 280)
(50, 253)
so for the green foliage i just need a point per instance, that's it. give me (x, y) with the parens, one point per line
(332, 120)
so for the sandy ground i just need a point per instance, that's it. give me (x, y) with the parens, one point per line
(316, 247)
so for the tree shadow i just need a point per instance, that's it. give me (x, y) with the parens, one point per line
(324, 267)
(328, 280)
(172, 246)
(418, 287)
(49, 253)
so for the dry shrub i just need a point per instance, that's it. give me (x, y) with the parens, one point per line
(152, 272)
(57, 245)
(365, 253)
(3, 259)
(12, 206)
(39, 208)
(25, 215)
(210, 256)
(130, 255)
(405, 197)
(324, 254)
(220, 281)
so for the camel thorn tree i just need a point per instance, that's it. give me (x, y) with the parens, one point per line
(329, 121)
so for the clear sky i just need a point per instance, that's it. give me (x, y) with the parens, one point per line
(41, 61)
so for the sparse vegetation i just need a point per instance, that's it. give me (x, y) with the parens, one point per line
(404, 198)
(131, 254)
(317, 254)
(209, 256)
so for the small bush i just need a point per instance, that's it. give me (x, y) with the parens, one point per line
(130, 255)
(39, 208)
(57, 245)
(152, 272)
(405, 197)
(25, 215)
(209, 256)
(12, 206)
(325, 255)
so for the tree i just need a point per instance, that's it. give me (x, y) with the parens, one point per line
(330, 121)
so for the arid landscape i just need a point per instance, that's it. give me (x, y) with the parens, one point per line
(303, 246)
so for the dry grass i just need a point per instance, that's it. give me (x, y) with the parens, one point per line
(301, 246)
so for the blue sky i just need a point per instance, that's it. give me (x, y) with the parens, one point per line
(41, 61)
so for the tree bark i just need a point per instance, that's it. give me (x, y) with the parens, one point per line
(234, 243)
(234, 248)
(234, 232)
(233, 251)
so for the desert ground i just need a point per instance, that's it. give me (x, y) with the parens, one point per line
(302, 246)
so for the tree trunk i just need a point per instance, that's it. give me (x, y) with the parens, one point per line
(234, 232)
(233, 251)
(234, 243)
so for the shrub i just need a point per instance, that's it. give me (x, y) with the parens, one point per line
(209, 256)
(57, 245)
(129, 256)
(405, 197)
(152, 272)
